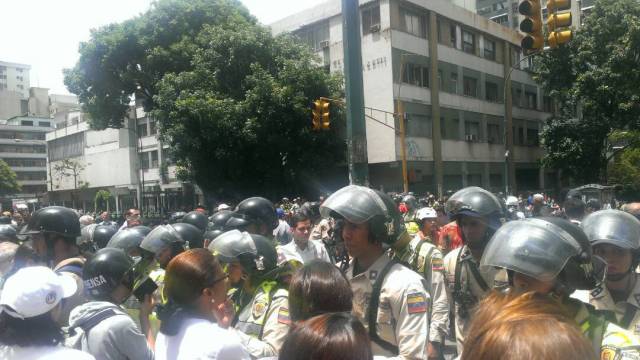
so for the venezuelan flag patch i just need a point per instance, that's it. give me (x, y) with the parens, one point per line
(437, 264)
(416, 303)
(283, 316)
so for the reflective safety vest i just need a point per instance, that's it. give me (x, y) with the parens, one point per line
(252, 318)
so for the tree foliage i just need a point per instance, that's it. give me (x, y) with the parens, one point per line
(8, 180)
(232, 101)
(594, 81)
(70, 168)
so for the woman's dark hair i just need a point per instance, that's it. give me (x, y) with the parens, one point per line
(318, 288)
(40, 330)
(333, 336)
(186, 276)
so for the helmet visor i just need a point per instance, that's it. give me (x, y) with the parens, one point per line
(160, 238)
(613, 227)
(532, 247)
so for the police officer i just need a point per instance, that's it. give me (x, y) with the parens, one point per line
(102, 328)
(479, 214)
(256, 215)
(127, 240)
(615, 237)
(263, 322)
(410, 216)
(55, 233)
(197, 219)
(513, 208)
(389, 298)
(192, 235)
(552, 256)
(102, 234)
(426, 259)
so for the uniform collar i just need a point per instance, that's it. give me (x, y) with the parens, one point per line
(374, 270)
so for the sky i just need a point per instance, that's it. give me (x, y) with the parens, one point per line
(46, 33)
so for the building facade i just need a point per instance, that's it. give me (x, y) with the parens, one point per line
(445, 67)
(23, 148)
(130, 163)
(15, 77)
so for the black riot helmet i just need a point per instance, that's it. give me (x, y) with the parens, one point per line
(193, 237)
(5, 220)
(102, 234)
(8, 233)
(144, 230)
(196, 219)
(255, 253)
(410, 201)
(254, 211)
(546, 249)
(176, 217)
(212, 234)
(220, 218)
(54, 220)
(127, 240)
(359, 205)
(107, 269)
(477, 202)
(161, 238)
(311, 210)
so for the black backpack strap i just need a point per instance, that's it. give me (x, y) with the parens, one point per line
(479, 279)
(629, 314)
(71, 268)
(97, 319)
(372, 311)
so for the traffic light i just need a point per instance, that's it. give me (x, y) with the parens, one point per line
(316, 122)
(531, 25)
(558, 23)
(326, 121)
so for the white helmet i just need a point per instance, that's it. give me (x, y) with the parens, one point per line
(426, 213)
(512, 201)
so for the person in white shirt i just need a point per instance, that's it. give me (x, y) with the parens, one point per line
(196, 317)
(302, 247)
(29, 311)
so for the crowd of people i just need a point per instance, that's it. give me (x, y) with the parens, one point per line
(356, 275)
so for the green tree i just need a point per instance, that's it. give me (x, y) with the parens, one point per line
(594, 80)
(8, 180)
(101, 200)
(232, 101)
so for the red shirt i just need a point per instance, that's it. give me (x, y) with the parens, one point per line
(450, 237)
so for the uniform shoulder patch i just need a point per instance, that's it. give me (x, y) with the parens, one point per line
(597, 291)
(608, 353)
(416, 303)
(283, 316)
(437, 264)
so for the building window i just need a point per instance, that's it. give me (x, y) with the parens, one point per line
(154, 159)
(153, 127)
(66, 147)
(489, 49)
(416, 75)
(412, 23)
(44, 124)
(547, 104)
(453, 82)
(144, 160)
(26, 123)
(533, 138)
(371, 19)
(453, 36)
(449, 129)
(517, 97)
(418, 125)
(142, 130)
(470, 86)
(493, 134)
(468, 42)
(472, 130)
(532, 100)
(491, 91)
(316, 36)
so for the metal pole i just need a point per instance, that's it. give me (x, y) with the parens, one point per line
(401, 119)
(356, 128)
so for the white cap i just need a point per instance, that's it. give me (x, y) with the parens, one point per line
(538, 197)
(35, 290)
(426, 213)
(223, 207)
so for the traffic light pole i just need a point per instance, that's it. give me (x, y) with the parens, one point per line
(356, 128)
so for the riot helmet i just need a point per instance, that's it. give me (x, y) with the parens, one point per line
(102, 234)
(359, 205)
(546, 249)
(254, 211)
(255, 253)
(161, 238)
(197, 219)
(144, 230)
(613, 227)
(192, 235)
(86, 243)
(476, 202)
(54, 220)
(128, 240)
(410, 201)
(5, 220)
(8, 233)
(512, 201)
(105, 271)
(176, 217)
(219, 219)
(311, 210)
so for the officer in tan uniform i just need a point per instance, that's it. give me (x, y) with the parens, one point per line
(553, 257)
(389, 298)
(426, 259)
(479, 214)
(615, 236)
(263, 322)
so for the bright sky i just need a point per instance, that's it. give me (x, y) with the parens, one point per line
(45, 33)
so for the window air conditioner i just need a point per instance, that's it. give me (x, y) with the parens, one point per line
(470, 137)
(375, 28)
(324, 44)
